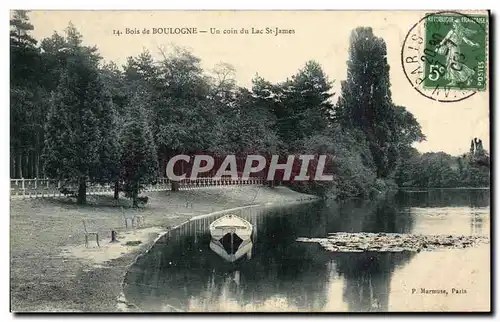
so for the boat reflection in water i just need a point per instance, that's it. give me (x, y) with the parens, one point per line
(231, 238)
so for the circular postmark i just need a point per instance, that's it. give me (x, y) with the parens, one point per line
(444, 55)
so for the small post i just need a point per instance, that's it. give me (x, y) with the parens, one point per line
(22, 183)
(113, 237)
(47, 182)
(36, 183)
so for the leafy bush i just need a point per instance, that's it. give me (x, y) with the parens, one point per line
(350, 163)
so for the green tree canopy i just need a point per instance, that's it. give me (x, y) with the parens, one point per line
(139, 160)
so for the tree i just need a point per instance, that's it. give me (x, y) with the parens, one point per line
(224, 86)
(113, 79)
(184, 113)
(27, 98)
(56, 51)
(109, 147)
(301, 104)
(365, 101)
(35, 73)
(139, 156)
(141, 74)
(308, 94)
(244, 127)
(74, 41)
(79, 126)
(25, 58)
(349, 160)
(20, 25)
(407, 129)
(440, 170)
(114, 83)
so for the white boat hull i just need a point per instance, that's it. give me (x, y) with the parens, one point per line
(231, 224)
(231, 237)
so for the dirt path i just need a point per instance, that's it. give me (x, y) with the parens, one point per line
(52, 270)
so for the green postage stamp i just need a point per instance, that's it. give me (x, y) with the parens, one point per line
(455, 51)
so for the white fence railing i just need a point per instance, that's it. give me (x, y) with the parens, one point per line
(40, 188)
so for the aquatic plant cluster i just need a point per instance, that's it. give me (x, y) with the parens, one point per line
(385, 242)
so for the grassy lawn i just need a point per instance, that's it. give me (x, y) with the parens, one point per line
(42, 278)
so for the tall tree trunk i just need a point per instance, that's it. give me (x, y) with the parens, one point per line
(26, 167)
(37, 152)
(82, 191)
(37, 165)
(117, 191)
(161, 168)
(13, 166)
(19, 166)
(29, 164)
(135, 194)
(32, 164)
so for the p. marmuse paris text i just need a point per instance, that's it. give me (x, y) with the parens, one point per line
(424, 290)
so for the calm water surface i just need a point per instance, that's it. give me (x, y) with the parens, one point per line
(182, 273)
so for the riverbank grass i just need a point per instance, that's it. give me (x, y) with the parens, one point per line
(52, 270)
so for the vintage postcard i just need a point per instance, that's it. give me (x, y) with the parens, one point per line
(250, 161)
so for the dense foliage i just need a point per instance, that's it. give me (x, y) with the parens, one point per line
(139, 163)
(441, 170)
(80, 119)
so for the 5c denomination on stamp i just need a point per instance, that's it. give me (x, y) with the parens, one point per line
(444, 55)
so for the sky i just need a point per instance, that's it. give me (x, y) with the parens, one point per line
(322, 36)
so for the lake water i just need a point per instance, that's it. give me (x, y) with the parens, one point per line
(182, 273)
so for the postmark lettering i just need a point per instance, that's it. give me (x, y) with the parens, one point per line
(444, 55)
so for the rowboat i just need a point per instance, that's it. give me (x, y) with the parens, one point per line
(231, 237)
(244, 249)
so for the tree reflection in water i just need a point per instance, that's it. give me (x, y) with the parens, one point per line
(182, 271)
(367, 278)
